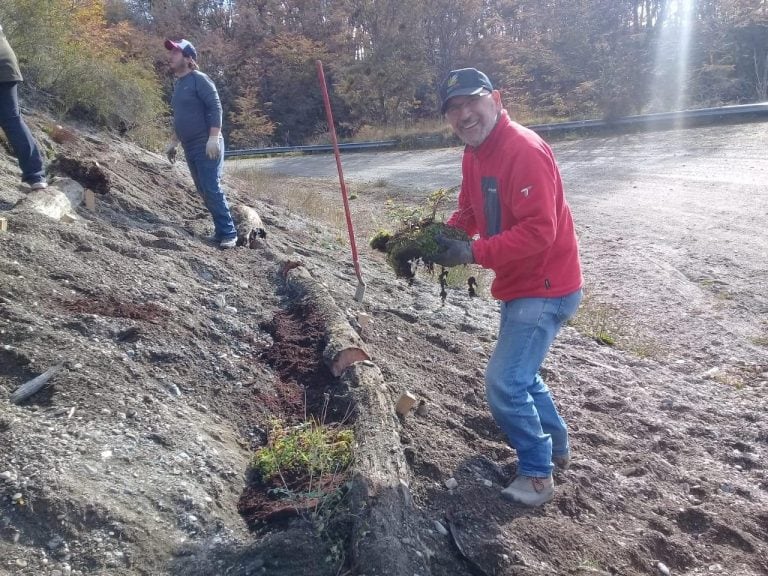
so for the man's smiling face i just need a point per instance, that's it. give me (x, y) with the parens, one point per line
(473, 117)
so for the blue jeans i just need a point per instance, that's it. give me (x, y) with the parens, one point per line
(519, 399)
(206, 174)
(20, 138)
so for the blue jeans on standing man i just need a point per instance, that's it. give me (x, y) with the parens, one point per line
(519, 399)
(207, 176)
(20, 138)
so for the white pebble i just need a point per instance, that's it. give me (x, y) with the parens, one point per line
(663, 569)
(451, 484)
(440, 528)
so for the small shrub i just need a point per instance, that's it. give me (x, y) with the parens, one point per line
(417, 242)
(379, 240)
(416, 238)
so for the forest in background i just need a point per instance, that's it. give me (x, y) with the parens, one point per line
(552, 59)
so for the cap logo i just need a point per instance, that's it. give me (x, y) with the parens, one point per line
(453, 80)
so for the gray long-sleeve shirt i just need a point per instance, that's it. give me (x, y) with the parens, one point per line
(196, 108)
(9, 66)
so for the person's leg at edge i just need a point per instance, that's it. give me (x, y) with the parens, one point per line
(192, 165)
(551, 421)
(20, 138)
(209, 176)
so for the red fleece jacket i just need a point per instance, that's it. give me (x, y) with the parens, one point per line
(512, 196)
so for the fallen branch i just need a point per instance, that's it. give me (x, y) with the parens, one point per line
(343, 346)
(35, 385)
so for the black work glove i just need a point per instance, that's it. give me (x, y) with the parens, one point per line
(452, 252)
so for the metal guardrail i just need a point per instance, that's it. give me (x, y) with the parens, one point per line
(658, 120)
(349, 146)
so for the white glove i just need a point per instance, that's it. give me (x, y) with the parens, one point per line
(170, 152)
(212, 149)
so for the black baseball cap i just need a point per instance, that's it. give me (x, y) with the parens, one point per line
(463, 82)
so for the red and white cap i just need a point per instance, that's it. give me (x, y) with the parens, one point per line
(183, 46)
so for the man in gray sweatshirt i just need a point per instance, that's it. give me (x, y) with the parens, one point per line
(197, 126)
(16, 130)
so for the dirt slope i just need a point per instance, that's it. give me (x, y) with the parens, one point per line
(135, 459)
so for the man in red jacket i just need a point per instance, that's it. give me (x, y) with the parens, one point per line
(512, 198)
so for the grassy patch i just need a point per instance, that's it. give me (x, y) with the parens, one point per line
(761, 341)
(727, 379)
(589, 565)
(431, 133)
(303, 469)
(609, 325)
(310, 450)
(304, 196)
(599, 321)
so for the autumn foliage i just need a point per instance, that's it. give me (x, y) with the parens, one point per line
(86, 66)
(552, 59)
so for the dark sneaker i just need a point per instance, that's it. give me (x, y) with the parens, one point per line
(228, 242)
(530, 491)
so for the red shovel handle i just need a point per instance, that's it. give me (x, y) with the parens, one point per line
(332, 130)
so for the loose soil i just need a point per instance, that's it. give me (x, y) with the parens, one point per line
(136, 457)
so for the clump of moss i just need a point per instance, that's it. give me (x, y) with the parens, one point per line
(380, 239)
(417, 242)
